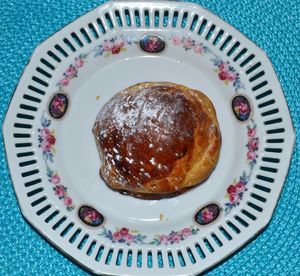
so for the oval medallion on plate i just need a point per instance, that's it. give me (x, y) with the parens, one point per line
(90, 216)
(58, 105)
(241, 107)
(208, 214)
(152, 43)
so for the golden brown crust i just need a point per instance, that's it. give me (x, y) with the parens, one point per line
(157, 140)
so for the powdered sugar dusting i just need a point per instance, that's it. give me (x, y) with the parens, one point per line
(125, 114)
(152, 161)
(139, 131)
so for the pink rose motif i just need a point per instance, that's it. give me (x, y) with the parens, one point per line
(64, 82)
(185, 232)
(79, 62)
(107, 46)
(222, 75)
(152, 44)
(251, 155)
(57, 103)
(71, 71)
(251, 132)
(116, 236)
(46, 146)
(207, 216)
(92, 215)
(188, 43)
(59, 191)
(68, 201)
(234, 198)
(175, 238)
(119, 43)
(55, 179)
(240, 187)
(244, 108)
(231, 76)
(176, 40)
(115, 50)
(198, 49)
(129, 238)
(231, 189)
(124, 231)
(51, 139)
(45, 132)
(223, 67)
(253, 144)
(163, 239)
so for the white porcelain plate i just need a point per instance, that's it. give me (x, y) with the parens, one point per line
(54, 160)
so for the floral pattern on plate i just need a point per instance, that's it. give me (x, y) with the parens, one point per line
(126, 236)
(174, 236)
(58, 105)
(208, 214)
(72, 72)
(90, 216)
(47, 140)
(187, 43)
(226, 73)
(241, 107)
(152, 43)
(59, 102)
(114, 46)
(236, 190)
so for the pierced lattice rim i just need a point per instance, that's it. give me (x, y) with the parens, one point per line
(101, 256)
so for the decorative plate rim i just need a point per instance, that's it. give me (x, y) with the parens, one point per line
(188, 6)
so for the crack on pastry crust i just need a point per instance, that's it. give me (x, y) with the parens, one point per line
(157, 140)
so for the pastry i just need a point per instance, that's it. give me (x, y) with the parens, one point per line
(157, 140)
